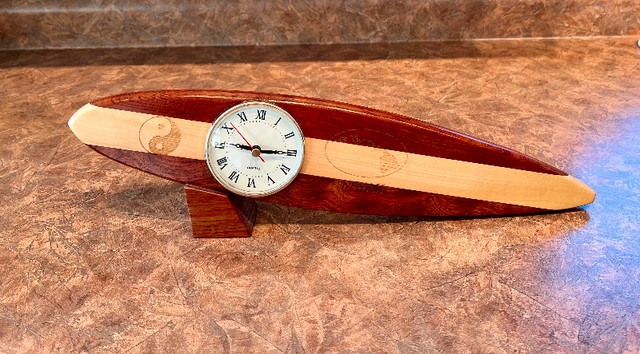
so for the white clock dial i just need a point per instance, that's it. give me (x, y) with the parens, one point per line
(255, 149)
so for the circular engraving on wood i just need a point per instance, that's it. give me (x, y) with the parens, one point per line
(159, 135)
(389, 157)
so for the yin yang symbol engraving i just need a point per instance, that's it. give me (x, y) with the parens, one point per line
(160, 135)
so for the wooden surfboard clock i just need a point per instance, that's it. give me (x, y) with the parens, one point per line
(230, 148)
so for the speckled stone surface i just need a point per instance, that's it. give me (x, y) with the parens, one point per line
(35, 24)
(98, 257)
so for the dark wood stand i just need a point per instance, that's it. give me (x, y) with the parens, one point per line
(215, 214)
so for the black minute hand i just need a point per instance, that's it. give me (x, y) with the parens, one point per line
(275, 152)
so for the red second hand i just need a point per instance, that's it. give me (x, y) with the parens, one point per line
(245, 140)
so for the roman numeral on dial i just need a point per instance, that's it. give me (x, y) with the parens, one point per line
(262, 114)
(270, 180)
(222, 162)
(227, 128)
(292, 152)
(285, 169)
(234, 176)
(251, 183)
(243, 116)
(289, 135)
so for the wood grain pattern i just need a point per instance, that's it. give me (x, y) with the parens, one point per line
(98, 126)
(215, 214)
(322, 193)
(329, 120)
(443, 176)
(369, 153)
(344, 161)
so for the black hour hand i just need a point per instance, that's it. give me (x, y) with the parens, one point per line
(243, 147)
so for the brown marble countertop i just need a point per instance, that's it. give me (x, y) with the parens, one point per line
(40, 24)
(98, 257)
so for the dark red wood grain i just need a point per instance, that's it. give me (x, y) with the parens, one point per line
(331, 121)
(324, 119)
(215, 214)
(322, 193)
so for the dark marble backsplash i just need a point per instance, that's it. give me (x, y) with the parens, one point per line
(38, 24)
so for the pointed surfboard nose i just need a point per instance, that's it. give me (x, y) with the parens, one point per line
(77, 122)
(113, 128)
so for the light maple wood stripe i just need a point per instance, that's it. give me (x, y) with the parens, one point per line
(120, 129)
(123, 129)
(444, 176)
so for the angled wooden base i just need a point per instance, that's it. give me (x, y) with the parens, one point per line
(215, 214)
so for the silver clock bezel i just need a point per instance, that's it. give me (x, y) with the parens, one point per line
(216, 123)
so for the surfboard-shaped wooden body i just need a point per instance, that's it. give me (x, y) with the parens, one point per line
(357, 160)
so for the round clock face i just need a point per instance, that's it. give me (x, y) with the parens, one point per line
(255, 149)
